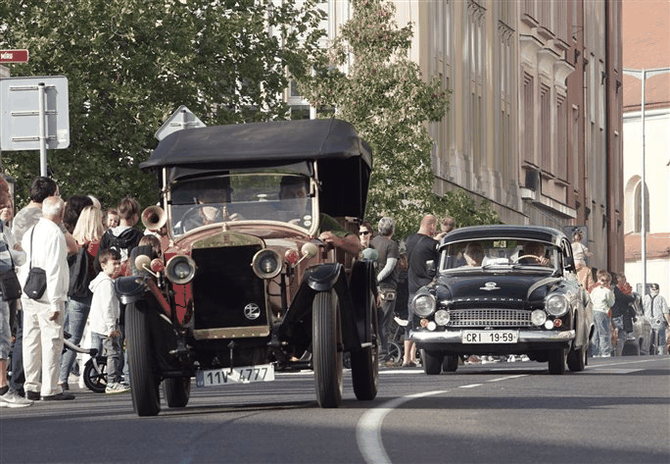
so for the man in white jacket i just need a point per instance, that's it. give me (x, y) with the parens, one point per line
(46, 248)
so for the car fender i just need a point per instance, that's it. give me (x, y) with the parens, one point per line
(323, 278)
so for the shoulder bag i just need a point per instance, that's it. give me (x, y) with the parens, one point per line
(36, 284)
(9, 284)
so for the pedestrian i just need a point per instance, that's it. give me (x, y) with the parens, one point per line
(45, 247)
(422, 259)
(579, 251)
(387, 280)
(111, 218)
(10, 256)
(40, 189)
(88, 233)
(656, 309)
(585, 277)
(73, 207)
(447, 224)
(622, 312)
(105, 314)
(602, 299)
(124, 237)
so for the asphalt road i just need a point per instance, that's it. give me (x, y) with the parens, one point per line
(616, 411)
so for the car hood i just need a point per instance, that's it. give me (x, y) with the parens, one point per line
(512, 288)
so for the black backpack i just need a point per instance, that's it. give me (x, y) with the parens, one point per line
(80, 277)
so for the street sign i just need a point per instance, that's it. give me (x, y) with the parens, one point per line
(20, 119)
(13, 56)
(183, 118)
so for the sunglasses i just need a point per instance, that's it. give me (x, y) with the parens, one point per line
(364, 232)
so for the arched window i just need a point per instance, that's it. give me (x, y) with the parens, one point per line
(638, 208)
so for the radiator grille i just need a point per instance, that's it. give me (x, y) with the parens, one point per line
(223, 285)
(489, 318)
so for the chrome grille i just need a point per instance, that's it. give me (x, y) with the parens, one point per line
(489, 318)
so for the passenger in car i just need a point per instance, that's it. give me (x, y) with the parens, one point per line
(473, 254)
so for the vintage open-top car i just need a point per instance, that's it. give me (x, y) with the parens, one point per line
(243, 286)
(502, 290)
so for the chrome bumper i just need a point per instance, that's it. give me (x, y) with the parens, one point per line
(526, 336)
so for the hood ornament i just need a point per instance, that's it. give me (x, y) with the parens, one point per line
(488, 286)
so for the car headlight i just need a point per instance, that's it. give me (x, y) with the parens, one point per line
(424, 305)
(180, 269)
(442, 317)
(267, 264)
(556, 305)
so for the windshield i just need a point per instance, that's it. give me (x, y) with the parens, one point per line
(287, 198)
(499, 254)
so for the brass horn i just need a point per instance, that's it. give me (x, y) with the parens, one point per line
(154, 218)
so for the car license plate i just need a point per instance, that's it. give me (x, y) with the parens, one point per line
(225, 376)
(490, 336)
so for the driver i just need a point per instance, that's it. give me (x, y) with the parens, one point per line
(534, 253)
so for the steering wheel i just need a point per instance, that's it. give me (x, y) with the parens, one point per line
(195, 217)
(537, 259)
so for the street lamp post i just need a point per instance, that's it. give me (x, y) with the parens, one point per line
(642, 75)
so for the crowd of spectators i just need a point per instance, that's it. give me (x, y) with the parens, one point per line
(81, 251)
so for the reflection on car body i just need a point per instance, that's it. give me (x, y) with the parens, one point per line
(504, 290)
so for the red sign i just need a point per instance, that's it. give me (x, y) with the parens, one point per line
(13, 56)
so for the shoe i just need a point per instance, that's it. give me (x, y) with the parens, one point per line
(59, 397)
(116, 387)
(12, 400)
(32, 396)
(64, 386)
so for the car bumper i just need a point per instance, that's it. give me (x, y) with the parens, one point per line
(455, 337)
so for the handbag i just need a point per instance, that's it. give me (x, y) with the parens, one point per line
(10, 286)
(9, 282)
(36, 284)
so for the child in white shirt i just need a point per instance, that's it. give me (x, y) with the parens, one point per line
(104, 318)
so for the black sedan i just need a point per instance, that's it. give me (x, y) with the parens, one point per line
(503, 290)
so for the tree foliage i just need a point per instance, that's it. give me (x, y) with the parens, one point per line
(386, 98)
(131, 63)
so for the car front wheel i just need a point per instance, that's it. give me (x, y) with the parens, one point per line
(577, 359)
(143, 381)
(432, 361)
(557, 361)
(177, 391)
(327, 359)
(364, 363)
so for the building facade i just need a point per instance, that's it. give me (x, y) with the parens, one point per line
(534, 124)
(646, 46)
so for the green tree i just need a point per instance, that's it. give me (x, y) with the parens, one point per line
(131, 63)
(386, 98)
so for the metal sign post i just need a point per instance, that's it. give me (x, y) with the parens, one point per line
(34, 115)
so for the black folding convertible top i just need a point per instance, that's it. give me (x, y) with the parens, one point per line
(260, 143)
(344, 160)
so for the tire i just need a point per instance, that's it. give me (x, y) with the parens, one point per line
(143, 381)
(577, 359)
(326, 358)
(177, 391)
(96, 379)
(432, 361)
(556, 360)
(395, 352)
(450, 363)
(365, 365)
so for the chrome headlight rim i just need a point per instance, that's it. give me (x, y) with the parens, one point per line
(423, 305)
(556, 305)
(178, 277)
(260, 257)
(442, 317)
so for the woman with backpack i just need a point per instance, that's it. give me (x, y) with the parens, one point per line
(87, 232)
